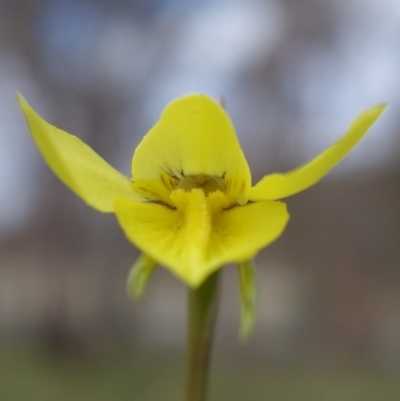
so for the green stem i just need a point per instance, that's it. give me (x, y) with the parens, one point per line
(203, 305)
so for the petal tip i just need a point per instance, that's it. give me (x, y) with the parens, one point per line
(23, 104)
(374, 112)
(380, 108)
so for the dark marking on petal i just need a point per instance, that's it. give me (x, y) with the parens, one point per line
(232, 206)
(161, 204)
(163, 180)
(169, 172)
(148, 191)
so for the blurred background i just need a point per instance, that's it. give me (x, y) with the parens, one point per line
(293, 74)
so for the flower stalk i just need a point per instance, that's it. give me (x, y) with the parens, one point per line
(202, 312)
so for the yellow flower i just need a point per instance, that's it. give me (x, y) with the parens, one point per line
(190, 205)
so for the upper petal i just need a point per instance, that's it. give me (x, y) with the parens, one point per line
(76, 164)
(194, 136)
(278, 186)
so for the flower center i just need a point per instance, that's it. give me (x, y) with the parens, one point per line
(160, 190)
(206, 183)
(197, 204)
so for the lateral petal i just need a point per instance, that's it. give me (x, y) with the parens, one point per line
(240, 232)
(76, 164)
(176, 239)
(281, 185)
(194, 243)
(194, 136)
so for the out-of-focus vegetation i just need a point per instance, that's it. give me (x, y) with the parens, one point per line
(29, 374)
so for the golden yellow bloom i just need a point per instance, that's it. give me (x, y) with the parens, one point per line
(190, 205)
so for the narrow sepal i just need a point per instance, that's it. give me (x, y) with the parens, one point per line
(139, 276)
(248, 298)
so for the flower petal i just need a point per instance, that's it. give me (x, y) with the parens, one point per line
(168, 236)
(248, 297)
(194, 136)
(240, 232)
(76, 164)
(278, 186)
(194, 244)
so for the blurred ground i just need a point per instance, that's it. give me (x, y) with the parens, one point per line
(31, 374)
(293, 74)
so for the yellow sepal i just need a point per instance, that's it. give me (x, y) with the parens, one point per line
(76, 164)
(278, 185)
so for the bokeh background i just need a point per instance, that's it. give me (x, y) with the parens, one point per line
(293, 74)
